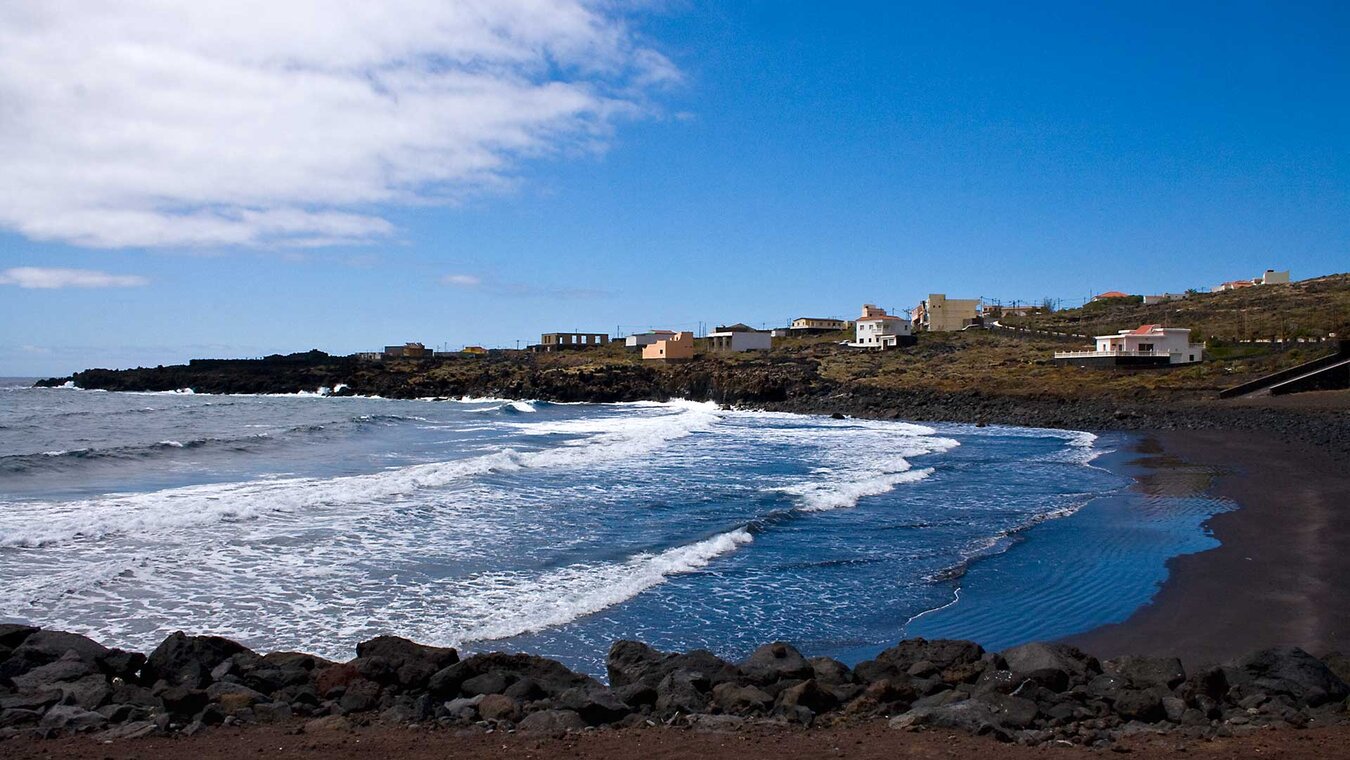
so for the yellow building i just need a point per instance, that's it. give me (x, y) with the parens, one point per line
(677, 347)
(942, 314)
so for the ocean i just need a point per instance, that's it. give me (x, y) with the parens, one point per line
(310, 523)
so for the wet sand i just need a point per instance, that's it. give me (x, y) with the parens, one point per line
(1280, 575)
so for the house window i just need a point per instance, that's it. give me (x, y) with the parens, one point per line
(1145, 348)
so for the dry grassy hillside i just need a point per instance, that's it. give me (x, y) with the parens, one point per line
(1307, 309)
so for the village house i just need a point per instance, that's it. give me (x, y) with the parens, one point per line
(569, 341)
(807, 325)
(1144, 346)
(739, 337)
(639, 340)
(938, 313)
(673, 347)
(407, 351)
(998, 312)
(1109, 295)
(1164, 298)
(1269, 277)
(879, 330)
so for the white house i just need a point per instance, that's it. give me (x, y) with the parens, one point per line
(638, 340)
(877, 329)
(739, 337)
(1146, 345)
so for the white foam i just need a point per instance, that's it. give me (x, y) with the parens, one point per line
(847, 491)
(40, 523)
(504, 604)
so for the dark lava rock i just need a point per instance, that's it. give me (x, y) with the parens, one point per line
(810, 695)
(940, 655)
(775, 662)
(741, 700)
(183, 702)
(1289, 671)
(1143, 705)
(596, 704)
(12, 634)
(634, 662)
(551, 722)
(183, 660)
(552, 677)
(1144, 672)
(683, 691)
(396, 660)
(1011, 712)
(73, 718)
(830, 672)
(972, 716)
(1038, 658)
(43, 647)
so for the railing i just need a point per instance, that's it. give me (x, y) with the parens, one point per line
(1091, 354)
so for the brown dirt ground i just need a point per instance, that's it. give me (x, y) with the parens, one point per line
(869, 741)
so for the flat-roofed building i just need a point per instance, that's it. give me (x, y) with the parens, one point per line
(674, 347)
(938, 313)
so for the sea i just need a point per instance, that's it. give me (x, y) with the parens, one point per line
(311, 522)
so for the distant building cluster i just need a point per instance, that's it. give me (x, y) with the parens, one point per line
(877, 329)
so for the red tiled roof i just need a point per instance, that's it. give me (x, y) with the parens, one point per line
(1145, 329)
(876, 319)
(1113, 294)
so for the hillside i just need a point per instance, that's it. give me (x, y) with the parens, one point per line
(1306, 309)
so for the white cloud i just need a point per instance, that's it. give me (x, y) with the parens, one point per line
(515, 289)
(255, 122)
(462, 280)
(45, 278)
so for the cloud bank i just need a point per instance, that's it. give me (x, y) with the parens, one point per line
(51, 278)
(252, 122)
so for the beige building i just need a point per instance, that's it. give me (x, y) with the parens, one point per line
(938, 313)
(566, 341)
(818, 324)
(674, 347)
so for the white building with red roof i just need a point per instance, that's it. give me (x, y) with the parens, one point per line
(877, 329)
(1146, 345)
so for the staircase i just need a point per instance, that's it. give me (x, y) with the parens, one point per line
(1326, 373)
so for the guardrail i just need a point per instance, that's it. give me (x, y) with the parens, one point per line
(1093, 354)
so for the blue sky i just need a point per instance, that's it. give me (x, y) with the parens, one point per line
(689, 162)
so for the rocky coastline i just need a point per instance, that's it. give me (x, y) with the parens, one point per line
(55, 683)
(776, 383)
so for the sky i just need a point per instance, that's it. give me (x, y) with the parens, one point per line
(224, 179)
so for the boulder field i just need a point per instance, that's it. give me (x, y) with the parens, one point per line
(54, 683)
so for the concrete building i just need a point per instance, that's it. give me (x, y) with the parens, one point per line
(674, 347)
(879, 330)
(408, 351)
(1164, 298)
(639, 340)
(1269, 277)
(474, 350)
(569, 341)
(804, 325)
(1144, 346)
(938, 313)
(739, 337)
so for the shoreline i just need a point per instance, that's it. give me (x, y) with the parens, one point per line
(1276, 577)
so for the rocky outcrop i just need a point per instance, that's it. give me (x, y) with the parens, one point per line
(57, 683)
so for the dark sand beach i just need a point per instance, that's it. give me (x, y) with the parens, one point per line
(1278, 577)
